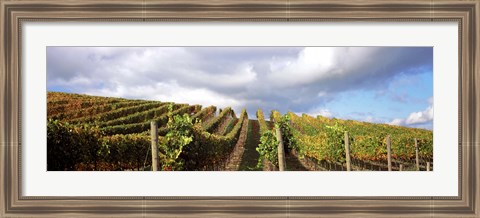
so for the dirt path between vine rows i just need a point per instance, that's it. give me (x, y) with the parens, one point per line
(293, 164)
(245, 156)
(221, 130)
(250, 155)
(237, 153)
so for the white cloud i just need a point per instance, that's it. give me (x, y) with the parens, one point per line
(172, 92)
(233, 79)
(397, 122)
(311, 64)
(419, 118)
(322, 94)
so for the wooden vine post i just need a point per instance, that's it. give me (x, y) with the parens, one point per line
(389, 153)
(281, 150)
(154, 138)
(417, 160)
(428, 166)
(347, 151)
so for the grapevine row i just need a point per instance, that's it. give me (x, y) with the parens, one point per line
(261, 121)
(96, 109)
(142, 116)
(73, 147)
(204, 113)
(102, 117)
(227, 126)
(209, 149)
(145, 126)
(58, 106)
(212, 124)
(323, 139)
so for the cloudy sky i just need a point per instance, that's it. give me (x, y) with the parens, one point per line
(376, 84)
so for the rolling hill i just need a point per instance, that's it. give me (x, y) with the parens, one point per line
(105, 133)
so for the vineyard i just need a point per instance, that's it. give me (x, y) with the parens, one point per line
(105, 133)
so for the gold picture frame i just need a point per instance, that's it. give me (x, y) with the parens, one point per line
(13, 13)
